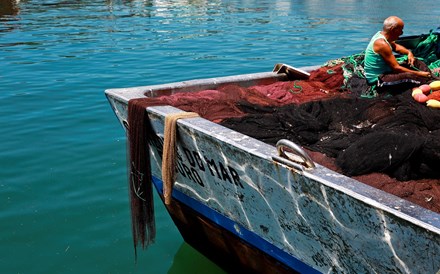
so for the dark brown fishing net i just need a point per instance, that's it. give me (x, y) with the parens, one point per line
(396, 135)
(139, 181)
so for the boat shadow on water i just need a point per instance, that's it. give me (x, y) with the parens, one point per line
(187, 257)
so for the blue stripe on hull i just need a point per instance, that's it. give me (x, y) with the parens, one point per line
(238, 230)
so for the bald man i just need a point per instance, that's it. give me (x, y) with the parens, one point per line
(381, 66)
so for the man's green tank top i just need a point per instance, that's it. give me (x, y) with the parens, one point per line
(374, 64)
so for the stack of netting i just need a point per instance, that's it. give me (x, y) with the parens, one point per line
(396, 135)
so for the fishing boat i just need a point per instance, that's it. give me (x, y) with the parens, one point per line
(258, 208)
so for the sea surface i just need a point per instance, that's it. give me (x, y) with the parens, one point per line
(63, 178)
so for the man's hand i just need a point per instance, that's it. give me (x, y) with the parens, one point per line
(424, 73)
(410, 58)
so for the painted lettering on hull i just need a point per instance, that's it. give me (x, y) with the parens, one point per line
(190, 164)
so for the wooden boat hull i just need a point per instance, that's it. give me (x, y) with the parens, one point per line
(236, 203)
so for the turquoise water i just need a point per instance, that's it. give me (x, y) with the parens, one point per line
(63, 191)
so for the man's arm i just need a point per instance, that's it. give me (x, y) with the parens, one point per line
(402, 50)
(382, 48)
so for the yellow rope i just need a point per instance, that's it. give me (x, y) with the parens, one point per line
(169, 152)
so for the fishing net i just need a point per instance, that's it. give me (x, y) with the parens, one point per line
(395, 136)
(139, 182)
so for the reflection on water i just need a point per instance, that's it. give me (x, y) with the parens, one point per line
(9, 7)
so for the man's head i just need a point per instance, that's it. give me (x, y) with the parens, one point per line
(393, 27)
